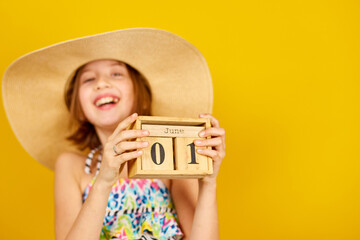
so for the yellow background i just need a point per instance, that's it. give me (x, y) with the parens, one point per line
(286, 88)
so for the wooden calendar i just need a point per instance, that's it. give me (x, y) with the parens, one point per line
(171, 152)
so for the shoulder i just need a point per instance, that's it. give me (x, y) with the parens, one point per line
(69, 163)
(69, 159)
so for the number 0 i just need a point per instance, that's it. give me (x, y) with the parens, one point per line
(153, 153)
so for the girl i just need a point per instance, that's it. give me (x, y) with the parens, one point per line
(104, 96)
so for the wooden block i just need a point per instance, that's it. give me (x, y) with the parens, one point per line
(159, 154)
(134, 166)
(172, 130)
(173, 121)
(171, 174)
(186, 157)
(145, 167)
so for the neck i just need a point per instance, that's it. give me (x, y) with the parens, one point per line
(103, 134)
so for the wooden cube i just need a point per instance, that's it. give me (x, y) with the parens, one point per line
(159, 154)
(171, 152)
(187, 157)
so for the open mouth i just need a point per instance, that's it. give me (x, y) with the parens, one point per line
(106, 101)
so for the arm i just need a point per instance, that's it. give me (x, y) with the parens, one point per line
(201, 212)
(184, 193)
(81, 221)
(77, 221)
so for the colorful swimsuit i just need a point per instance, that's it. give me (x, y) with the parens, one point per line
(139, 209)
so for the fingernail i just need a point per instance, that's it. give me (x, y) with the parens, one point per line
(145, 144)
(197, 142)
(199, 150)
(202, 134)
(140, 152)
(145, 132)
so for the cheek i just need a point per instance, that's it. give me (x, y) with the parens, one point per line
(129, 91)
(83, 99)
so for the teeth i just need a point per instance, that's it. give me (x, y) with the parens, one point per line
(105, 100)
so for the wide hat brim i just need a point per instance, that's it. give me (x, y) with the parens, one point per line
(33, 85)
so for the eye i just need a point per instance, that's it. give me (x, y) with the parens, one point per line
(88, 80)
(117, 74)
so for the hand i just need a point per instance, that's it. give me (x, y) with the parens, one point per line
(216, 142)
(123, 141)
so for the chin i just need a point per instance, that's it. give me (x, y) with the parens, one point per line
(110, 123)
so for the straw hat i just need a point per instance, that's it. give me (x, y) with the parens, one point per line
(33, 85)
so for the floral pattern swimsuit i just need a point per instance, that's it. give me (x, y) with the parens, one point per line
(139, 209)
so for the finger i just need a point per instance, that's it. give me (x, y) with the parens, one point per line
(213, 132)
(127, 146)
(212, 142)
(124, 124)
(120, 159)
(130, 134)
(214, 122)
(215, 155)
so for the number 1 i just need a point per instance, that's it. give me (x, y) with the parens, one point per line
(192, 149)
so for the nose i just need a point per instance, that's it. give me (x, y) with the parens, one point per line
(101, 83)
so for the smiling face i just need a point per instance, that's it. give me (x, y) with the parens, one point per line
(106, 93)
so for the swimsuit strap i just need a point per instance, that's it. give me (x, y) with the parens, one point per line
(90, 158)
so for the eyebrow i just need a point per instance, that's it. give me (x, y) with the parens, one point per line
(111, 65)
